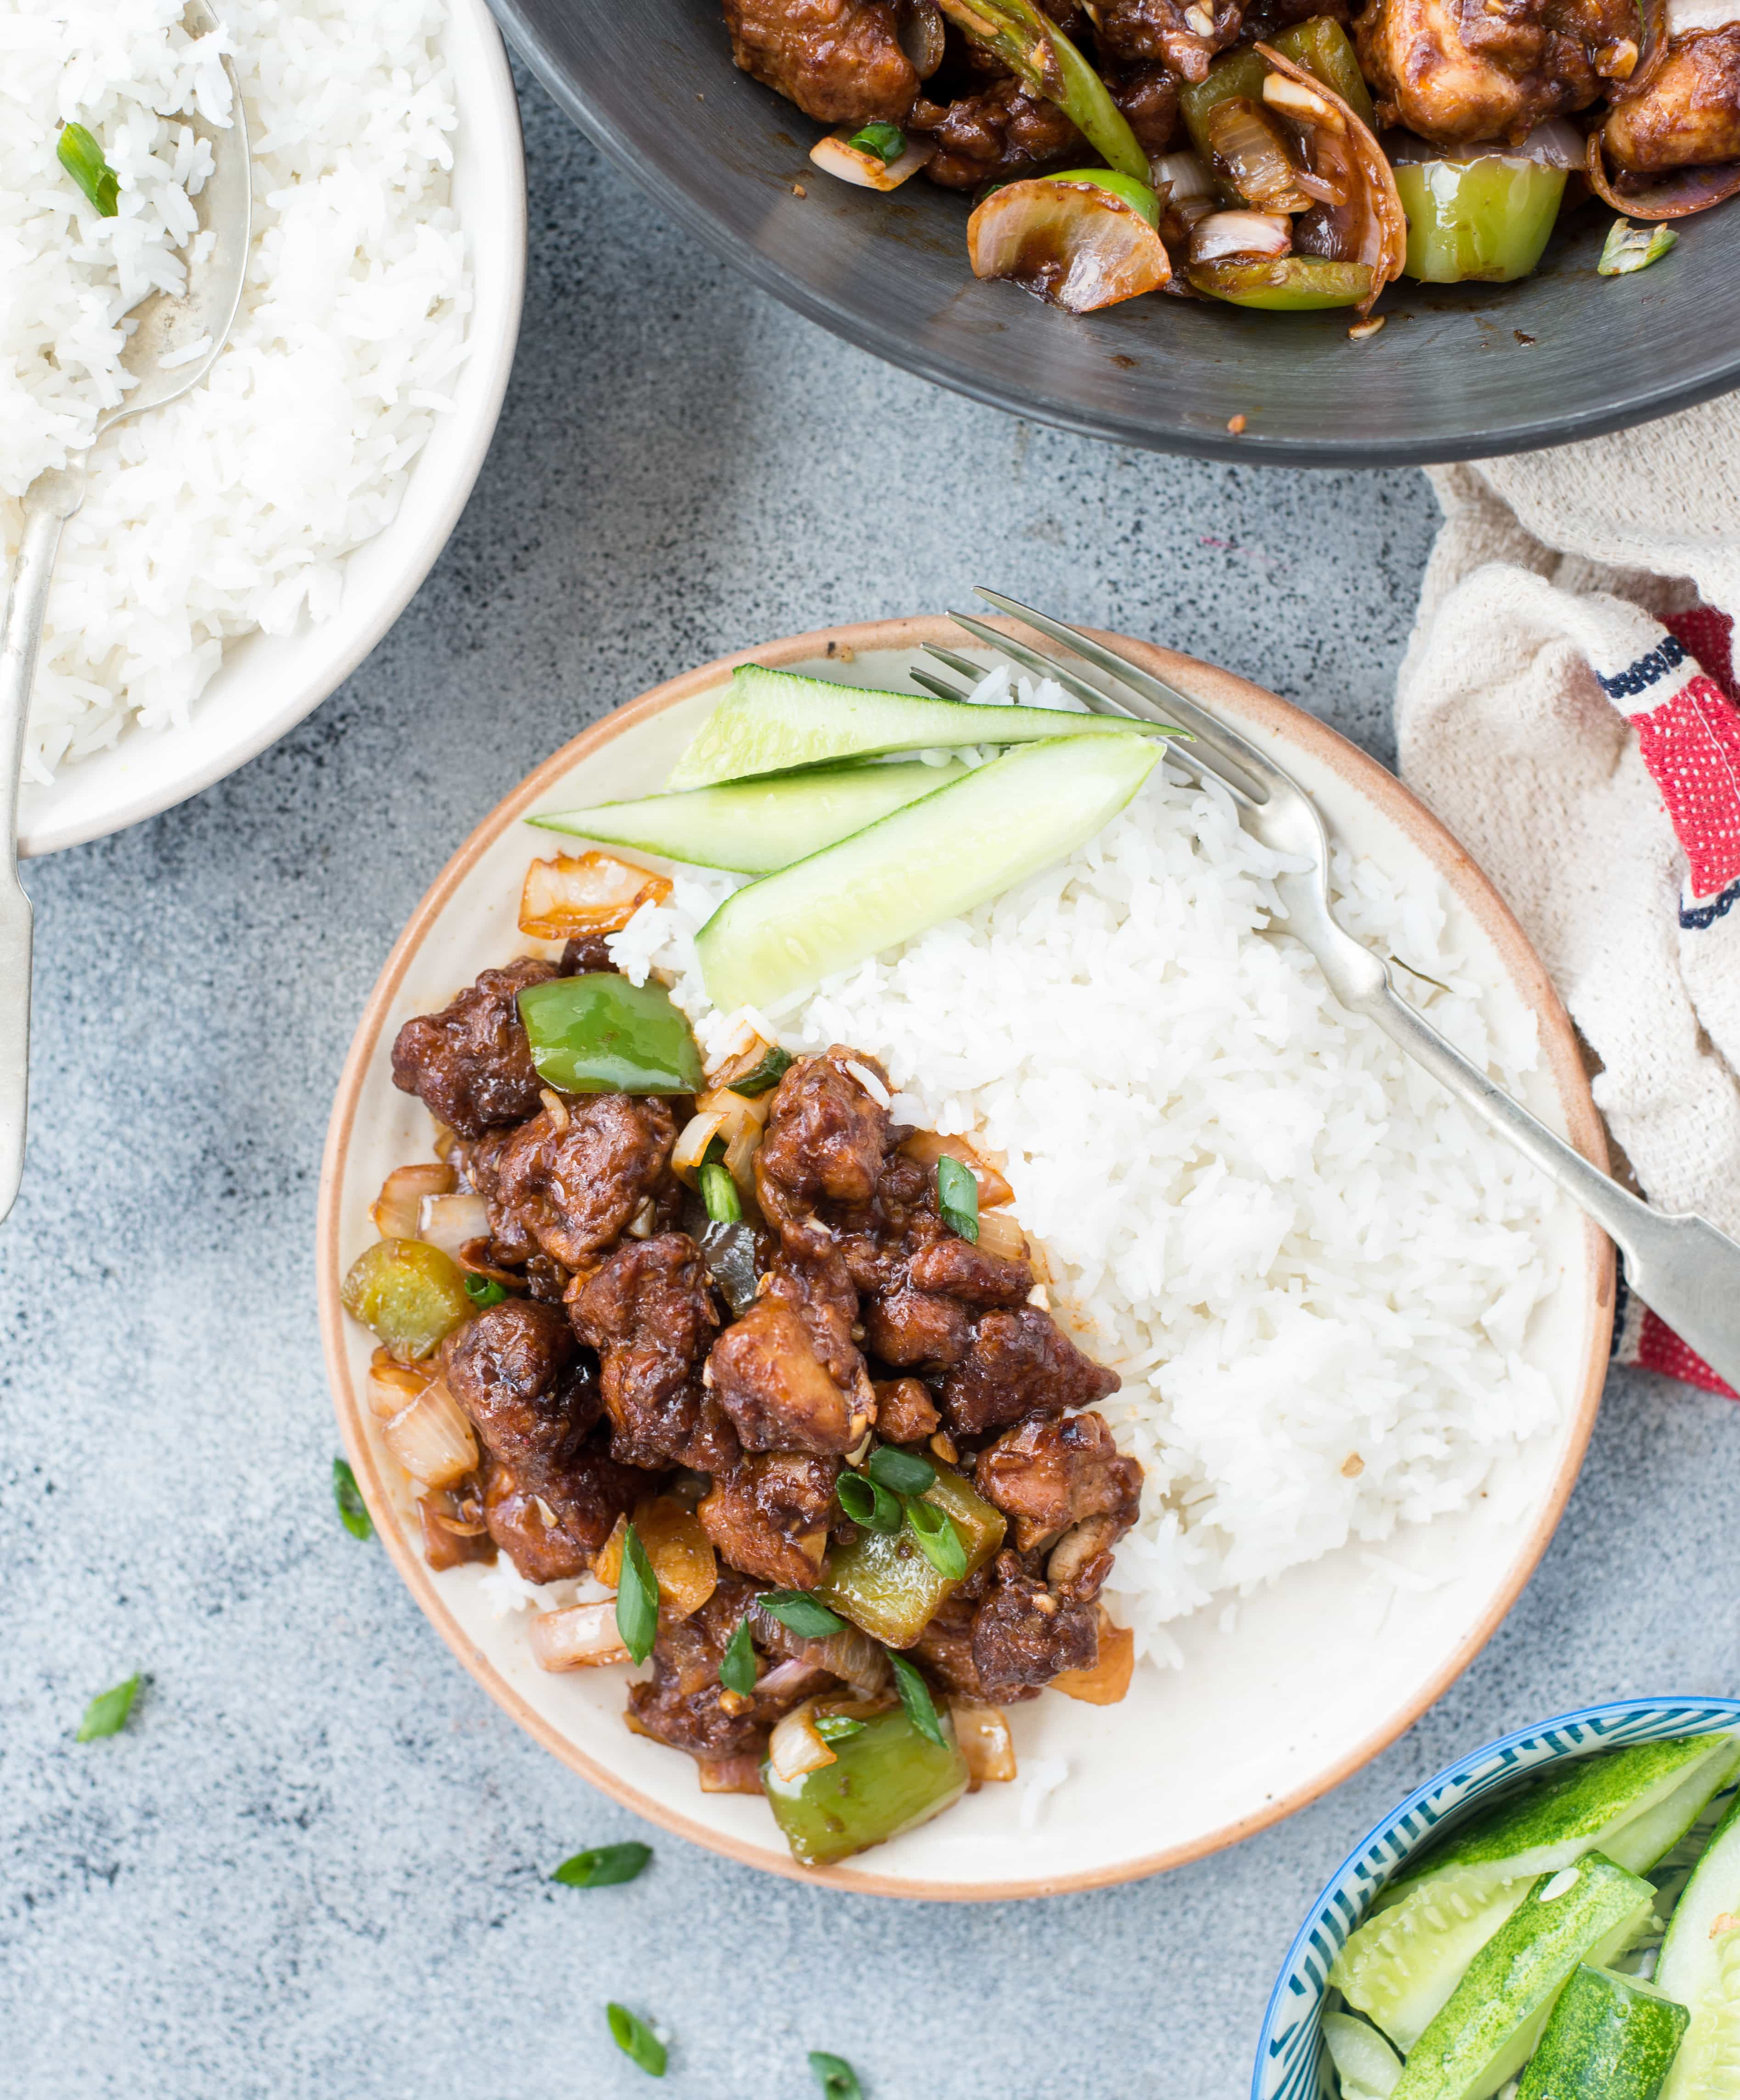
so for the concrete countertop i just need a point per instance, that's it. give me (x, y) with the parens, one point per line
(316, 1866)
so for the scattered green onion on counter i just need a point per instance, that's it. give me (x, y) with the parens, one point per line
(1628, 248)
(637, 1598)
(107, 1713)
(867, 1501)
(915, 1699)
(957, 1197)
(353, 1512)
(635, 2040)
(902, 1473)
(737, 1666)
(836, 2077)
(80, 154)
(887, 142)
(604, 1866)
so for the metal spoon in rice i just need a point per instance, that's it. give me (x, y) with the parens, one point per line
(1681, 1267)
(165, 329)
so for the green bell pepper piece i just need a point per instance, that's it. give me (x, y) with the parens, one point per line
(884, 1780)
(1487, 220)
(1015, 31)
(1139, 197)
(884, 1582)
(411, 1294)
(599, 1034)
(1324, 49)
(1289, 283)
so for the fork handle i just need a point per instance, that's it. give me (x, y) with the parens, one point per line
(1683, 1269)
(49, 501)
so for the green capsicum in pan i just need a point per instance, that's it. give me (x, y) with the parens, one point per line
(597, 1033)
(1047, 64)
(1287, 283)
(1486, 219)
(885, 1778)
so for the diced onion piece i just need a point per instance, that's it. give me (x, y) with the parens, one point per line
(452, 1222)
(729, 1775)
(1225, 233)
(1073, 244)
(692, 1142)
(927, 1148)
(836, 156)
(682, 1554)
(607, 1564)
(577, 1638)
(395, 1210)
(591, 892)
(1246, 146)
(392, 1385)
(857, 1661)
(983, 1734)
(1108, 1680)
(1183, 176)
(795, 1747)
(1000, 1236)
(740, 1153)
(1293, 98)
(431, 1438)
(737, 1107)
(1556, 143)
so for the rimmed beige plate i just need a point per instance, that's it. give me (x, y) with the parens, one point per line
(1278, 1701)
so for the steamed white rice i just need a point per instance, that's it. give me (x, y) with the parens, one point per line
(233, 510)
(1312, 1270)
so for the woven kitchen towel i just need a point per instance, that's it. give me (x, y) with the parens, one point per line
(1567, 706)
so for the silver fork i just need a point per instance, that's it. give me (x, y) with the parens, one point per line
(1682, 1267)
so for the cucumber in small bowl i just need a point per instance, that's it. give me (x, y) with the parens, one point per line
(1611, 2037)
(1700, 1966)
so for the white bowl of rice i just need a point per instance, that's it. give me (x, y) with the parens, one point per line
(241, 551)
(1361, 1342)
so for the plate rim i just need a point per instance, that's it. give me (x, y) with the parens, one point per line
(1564, 1066)
(866, 332)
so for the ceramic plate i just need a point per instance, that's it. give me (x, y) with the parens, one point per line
(1262, 1717)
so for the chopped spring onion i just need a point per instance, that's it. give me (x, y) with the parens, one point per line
(637, 1598)
(107, 1713)
(915, 1697)
(836, 2077)
(635, 2040)
(1629, 248)
(484, 1291)
(353, 1512)
(799, 1612)
(903, 1472)
(719, 1192)
(938, 1540)
(835, 1727)
(737, 1666)
(81, 157)
(887, 142)
(957, 1197)
(869, 1502)
(603, 1866)
(765, 1076)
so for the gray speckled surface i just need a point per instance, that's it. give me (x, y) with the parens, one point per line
(315, 1864)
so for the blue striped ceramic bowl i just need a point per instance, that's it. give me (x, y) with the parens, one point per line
(1292, 2063)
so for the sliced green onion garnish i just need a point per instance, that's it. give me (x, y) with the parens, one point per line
(835, 1727)
(353, 1512)
(1630, 248)
(938, 1540)
(719, 1192)
(484, 1291)
(635, 2040)
(915, 1697)
(768, 1073)
(836, 2077)
(637, 1598)
(902, 1473)
(107, 1713)
(868, 1503)
(887, 142)
(81, 157)
(957, 1197)
(797, 1610)
(737, 1666)
(604, 1866)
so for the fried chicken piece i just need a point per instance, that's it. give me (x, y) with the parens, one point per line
(768, 1516)
(1688, 115)
(649, 1311)
(1021, 1363)
(840, 61)
(1023, 1635)
(470, 1064)
(569, 1182)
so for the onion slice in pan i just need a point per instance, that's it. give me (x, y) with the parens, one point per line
(1675, 195)
(1072, 243)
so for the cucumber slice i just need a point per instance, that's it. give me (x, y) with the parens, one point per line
(1610, 2038)
(1633, 1805)
(1700, 1966)
(754, 826)
(1364, 2062)
(1000, 824)
(771, 720)
(1488, 2028)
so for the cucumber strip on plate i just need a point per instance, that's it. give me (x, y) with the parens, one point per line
(771, 720)
(991, 830)
(1364, 2062)
(754, 826)
(1610, 2038)
(1488, 2028)
(1633, 1805)
(1700, 1966)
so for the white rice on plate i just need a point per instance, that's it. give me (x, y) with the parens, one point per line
(1312, 1268)
(233, 510)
